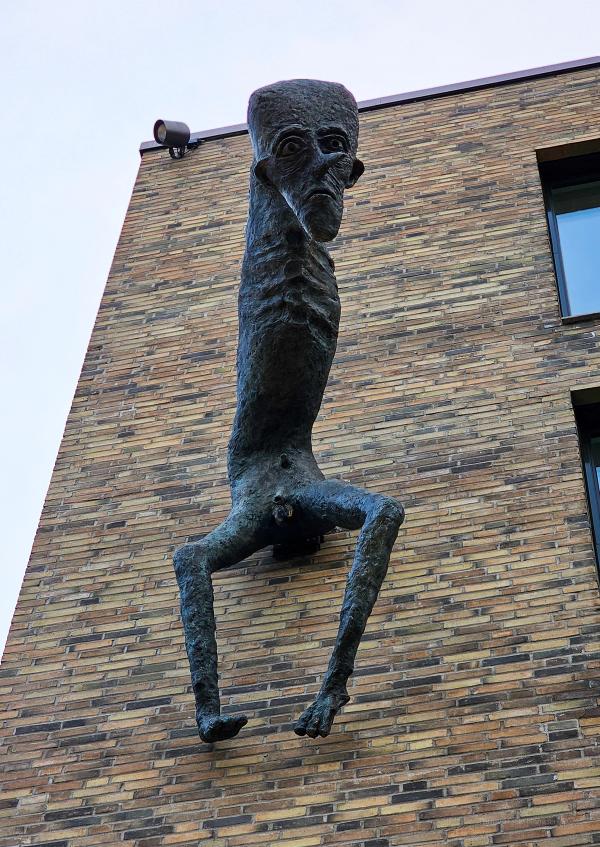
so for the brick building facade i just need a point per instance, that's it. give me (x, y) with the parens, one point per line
(474, 716)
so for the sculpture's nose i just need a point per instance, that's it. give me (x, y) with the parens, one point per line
(325, 161)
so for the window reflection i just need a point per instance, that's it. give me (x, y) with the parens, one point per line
(588, 422)
(596, 459)
(577, 209)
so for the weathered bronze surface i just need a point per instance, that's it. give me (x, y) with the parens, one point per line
(304, 135)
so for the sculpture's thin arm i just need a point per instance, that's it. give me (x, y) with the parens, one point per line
(235, 539)
(380, 518)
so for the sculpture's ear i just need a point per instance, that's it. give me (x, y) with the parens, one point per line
(358, 170)
(261, 171)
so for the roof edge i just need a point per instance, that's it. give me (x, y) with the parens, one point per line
(412, 96)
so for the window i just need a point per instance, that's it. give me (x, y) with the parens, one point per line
(572, 194)
(587, 414)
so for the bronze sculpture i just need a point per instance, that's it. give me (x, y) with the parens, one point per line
(305, 136)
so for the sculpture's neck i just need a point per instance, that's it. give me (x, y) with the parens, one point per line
(274, 236)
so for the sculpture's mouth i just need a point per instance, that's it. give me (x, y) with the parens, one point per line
(321, 192)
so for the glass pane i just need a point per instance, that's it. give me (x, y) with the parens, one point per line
(574, 198)
(577, 209)
(595, 443)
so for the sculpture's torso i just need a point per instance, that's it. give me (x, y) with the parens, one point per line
(289, 313)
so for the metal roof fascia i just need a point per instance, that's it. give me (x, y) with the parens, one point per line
(411, 96)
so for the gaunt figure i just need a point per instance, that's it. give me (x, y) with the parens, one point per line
(304, 135)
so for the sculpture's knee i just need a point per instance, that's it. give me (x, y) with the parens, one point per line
(389, 511)
(186, 559)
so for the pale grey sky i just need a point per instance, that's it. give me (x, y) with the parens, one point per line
(82, 84)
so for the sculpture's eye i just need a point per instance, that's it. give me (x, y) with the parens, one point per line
(334, 144)
(290, 146)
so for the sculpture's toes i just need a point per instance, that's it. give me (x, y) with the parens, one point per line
(318, 718)
(219, 727)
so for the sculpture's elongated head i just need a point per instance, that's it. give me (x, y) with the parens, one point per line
(305, 136)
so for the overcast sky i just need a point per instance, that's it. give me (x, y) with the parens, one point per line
(82, 84)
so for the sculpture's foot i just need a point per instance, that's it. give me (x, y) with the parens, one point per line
(213, 727)
(317, 719)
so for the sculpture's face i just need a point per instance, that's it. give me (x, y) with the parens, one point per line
(311, 166)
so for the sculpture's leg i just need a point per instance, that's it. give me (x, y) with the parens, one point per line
(236, 538)
(380, 518)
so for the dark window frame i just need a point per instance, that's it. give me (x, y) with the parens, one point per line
(588, 427)
(559, 173)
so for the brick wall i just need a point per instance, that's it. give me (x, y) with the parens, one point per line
(473, 720)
